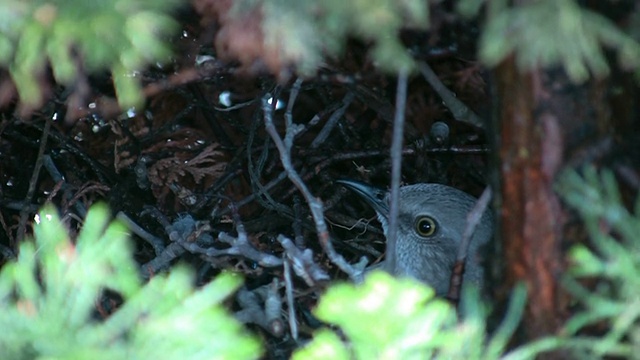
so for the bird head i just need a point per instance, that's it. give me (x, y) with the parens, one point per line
(431, 221)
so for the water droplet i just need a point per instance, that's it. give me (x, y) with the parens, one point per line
(131, 112)
(225, 98)
(201, 59)
(279, 104)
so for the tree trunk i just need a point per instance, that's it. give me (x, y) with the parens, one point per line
(544, 124)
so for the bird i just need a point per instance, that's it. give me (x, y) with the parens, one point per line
(431, 221)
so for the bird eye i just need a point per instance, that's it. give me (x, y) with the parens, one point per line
(425, 226)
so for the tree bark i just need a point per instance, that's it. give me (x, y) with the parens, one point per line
(530, 154)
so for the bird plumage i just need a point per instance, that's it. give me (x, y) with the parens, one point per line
(429, 257)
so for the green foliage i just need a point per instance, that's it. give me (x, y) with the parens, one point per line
(613, 258)
(77, 35)
(48, 298)
(547, 33)
(387, 318)
(304, 31)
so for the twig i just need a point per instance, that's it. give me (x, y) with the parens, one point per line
(317, 117)
(473, 219)
(162, 261)
(239, 246)
(302, 262)
(333, 120)
(270, 185)
(264, 198)
(59, 179)
(87, 188)
(459, 110)
(273, 308)
(315, 205)
(243, 243)
(63, 140)
(288, 288)
(396, 165)
(24, 213)
(297, 222)
(154, 241)
(252, 312)
(409, 152)
(382, 106)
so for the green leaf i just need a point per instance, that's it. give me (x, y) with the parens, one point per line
(612, 259)
(385, 317)
(322, 28)
(75, 35)
(49, 297)
(389, 318)
(325, 345)
(548, 33)
(127, 88)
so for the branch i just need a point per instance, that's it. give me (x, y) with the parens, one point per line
(302, 262)
(459, 110)
(473, 219)
(315, 205)
(24, 213)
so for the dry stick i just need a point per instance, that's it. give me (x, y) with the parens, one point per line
(473, 219)
(459, 110)
(409, 152)
(318, 116)
(156, 242)
(55, 174)
(24, 214)
(273, 308)
(315, 205)
(162, 261)
(333, 120)
(302, 262)
(243, 246)
(288, 288)
(270, 185)
(297, 223)
(396, 165)
(264, 198)
(267, 317)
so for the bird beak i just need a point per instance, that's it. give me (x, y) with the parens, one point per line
(372, 195)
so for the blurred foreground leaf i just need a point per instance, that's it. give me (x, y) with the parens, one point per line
(304, 32)
(388, 318)
(548, 33)
(49, 296)
(612, 257)
(77, 37)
